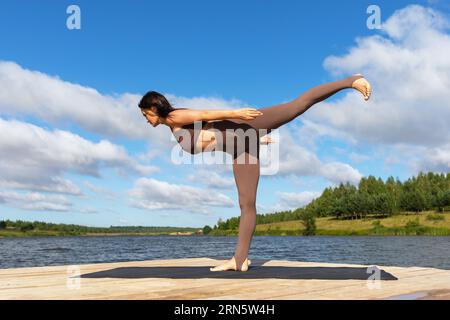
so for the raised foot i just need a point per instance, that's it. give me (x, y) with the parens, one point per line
(231, 265)
(362, 85)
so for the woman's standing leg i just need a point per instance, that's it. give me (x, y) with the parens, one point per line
(246, 176)
(246, 170)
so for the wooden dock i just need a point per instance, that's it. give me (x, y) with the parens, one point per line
(191, 278)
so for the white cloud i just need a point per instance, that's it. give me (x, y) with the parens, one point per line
(35, 158)
(288, 201)
(52, 99)
(355, 157)
(435, 159)
(409, 67)
(35, 201)
(28, 92)
(152, 194)
(340, 172)
(211, 179)
(310, 131)
(358, 157)
(100, 190)
(89, 210)
(293, 200)
(295, 159)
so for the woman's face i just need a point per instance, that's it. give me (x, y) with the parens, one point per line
(151, 116)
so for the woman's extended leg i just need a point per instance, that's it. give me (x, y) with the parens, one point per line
(275, 116)
(246, 176)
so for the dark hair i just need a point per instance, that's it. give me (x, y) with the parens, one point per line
(157, 100)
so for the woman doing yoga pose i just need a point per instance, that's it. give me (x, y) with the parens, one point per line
(157, 110)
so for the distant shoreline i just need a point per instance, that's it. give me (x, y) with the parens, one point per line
(19, 234)
(405, 224)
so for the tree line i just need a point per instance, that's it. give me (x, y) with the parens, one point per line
(78, 229)
(372, 196)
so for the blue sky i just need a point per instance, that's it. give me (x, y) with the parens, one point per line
(208, 54)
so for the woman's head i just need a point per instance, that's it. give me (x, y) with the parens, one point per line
(154, 106)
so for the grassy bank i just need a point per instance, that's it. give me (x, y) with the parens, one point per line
(45, 233)
(41, 229)
(424, 223)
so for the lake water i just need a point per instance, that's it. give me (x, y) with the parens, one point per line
(392, 251)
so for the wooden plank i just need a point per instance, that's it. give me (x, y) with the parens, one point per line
(51, 282)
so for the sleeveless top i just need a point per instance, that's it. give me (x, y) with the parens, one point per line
(187, 136)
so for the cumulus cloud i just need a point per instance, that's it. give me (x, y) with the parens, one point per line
(35, 201)
(211, 179)
(152, 194)
(35, 158)
(295, 159)
(100, 190)
(88, 210)
(435, 159)
(293, 200)
(358, 157)
(409, 67)
(338, 172)
(288, 201)
(309, 131)
(49, 98)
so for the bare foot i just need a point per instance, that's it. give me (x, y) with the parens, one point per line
(231, 265)
(363, 86)
(266, 140)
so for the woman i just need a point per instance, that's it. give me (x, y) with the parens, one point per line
(157, 110)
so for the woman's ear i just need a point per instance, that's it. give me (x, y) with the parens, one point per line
(154, 110)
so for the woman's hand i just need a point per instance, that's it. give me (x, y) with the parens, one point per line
(247, 113)
(266, 140)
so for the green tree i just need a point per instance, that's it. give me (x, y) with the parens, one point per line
(221, 225)
(325, 203)
(384, 204)
(26, 226)
(2, 224)
(443, 200)
(233, 223)
(356, 204)
(341, 200)
(394, 188)
(413, 200)
(309, 221)
(206, 229)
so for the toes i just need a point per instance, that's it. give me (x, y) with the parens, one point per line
(231, 266)
(222, 267)
(218, 268)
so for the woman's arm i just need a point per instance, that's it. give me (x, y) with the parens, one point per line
(187, 116)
